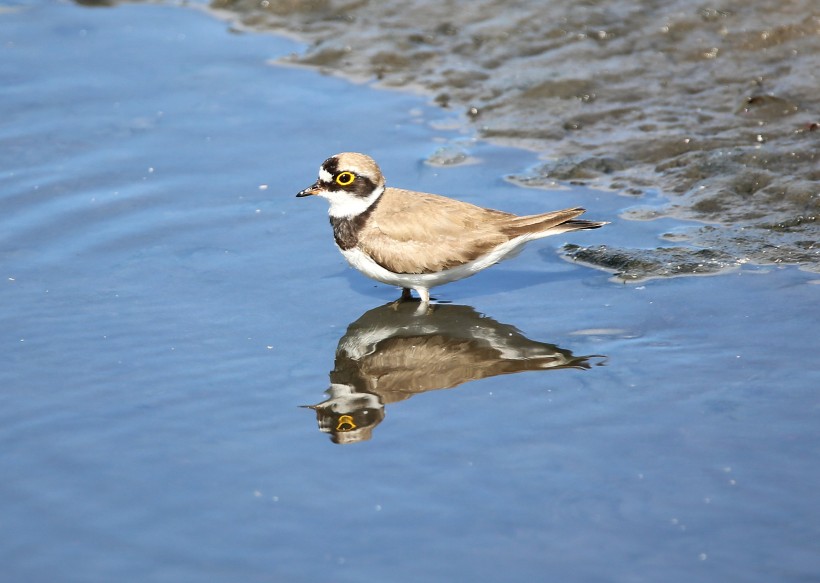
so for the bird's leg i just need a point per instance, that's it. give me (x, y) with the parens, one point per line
(424, 294)
(406, 296)
(425, 307)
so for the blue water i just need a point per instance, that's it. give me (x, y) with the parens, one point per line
(167, 306)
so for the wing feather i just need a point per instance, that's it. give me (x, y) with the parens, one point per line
(412, 232)
(415, 232)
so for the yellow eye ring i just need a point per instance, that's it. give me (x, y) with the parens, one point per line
(345, 178)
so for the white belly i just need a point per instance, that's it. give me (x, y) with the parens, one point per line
(372, 269)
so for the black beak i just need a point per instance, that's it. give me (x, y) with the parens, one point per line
(310, 190)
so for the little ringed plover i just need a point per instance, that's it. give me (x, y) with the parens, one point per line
(416, 240)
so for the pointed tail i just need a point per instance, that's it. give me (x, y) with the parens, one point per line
(546, 224)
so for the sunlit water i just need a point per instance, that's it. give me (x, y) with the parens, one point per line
(168, 308)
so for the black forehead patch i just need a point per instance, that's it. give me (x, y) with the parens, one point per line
(331, 165)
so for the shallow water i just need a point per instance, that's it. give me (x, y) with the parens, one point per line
(168, 308)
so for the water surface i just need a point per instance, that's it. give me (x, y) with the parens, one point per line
(168, 308)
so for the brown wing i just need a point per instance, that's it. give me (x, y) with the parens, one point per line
(413, 232)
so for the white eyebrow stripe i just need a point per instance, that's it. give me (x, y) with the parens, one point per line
(324, 175)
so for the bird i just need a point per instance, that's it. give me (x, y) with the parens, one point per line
(416, 240)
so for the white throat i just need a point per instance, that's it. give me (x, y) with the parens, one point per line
(344, 205)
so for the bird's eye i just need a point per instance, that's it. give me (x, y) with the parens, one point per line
(345, 178)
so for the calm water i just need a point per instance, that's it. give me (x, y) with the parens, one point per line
(168, 308)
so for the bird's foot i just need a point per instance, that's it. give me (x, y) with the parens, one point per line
(425, 307)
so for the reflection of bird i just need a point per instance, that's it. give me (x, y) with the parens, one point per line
(392, 353)
(418, 240)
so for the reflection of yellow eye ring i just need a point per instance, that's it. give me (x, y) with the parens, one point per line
(345, 178)
(345, 423)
